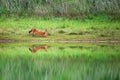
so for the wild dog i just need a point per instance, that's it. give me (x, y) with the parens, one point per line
(35, 32)
(34, 49)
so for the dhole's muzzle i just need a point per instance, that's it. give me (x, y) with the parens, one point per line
(30, 31)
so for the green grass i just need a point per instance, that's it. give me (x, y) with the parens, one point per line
(62, 61)
(99, 22)
(60, 28)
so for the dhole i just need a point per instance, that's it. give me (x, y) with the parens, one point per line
(35, 32)
(34, 49)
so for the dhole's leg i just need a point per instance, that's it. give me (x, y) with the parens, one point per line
(44, 35)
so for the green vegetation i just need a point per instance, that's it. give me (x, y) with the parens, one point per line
(61, 61)
(82, 40)
(97, 27)
(74, 19)
(71, 8)
(89, 52)
(58, 69)
(63, 19)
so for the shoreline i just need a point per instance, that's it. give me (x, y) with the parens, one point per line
(8, 40)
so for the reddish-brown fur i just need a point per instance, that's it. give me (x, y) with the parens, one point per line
(34, 49)
(35, 32)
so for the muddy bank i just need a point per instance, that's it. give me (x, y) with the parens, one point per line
(7, 40)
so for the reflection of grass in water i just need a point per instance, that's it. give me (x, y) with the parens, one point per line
(66, 51)
(38, 69)
(73, 61)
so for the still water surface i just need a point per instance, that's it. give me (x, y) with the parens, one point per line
(59, 61)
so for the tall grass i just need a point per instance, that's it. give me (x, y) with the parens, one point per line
(59, 7)
(60, 70)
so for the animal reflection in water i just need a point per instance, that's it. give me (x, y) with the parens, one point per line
(35, 48)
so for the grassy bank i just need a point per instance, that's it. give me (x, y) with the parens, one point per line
(97, 27)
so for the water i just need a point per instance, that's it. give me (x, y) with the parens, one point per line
(29, 61)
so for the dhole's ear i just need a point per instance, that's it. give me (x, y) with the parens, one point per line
(34, 29)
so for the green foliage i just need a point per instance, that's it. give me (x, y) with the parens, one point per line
(61, 61)
(2, 11)
(71, 8)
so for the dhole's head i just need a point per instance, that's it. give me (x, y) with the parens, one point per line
(33, 30)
